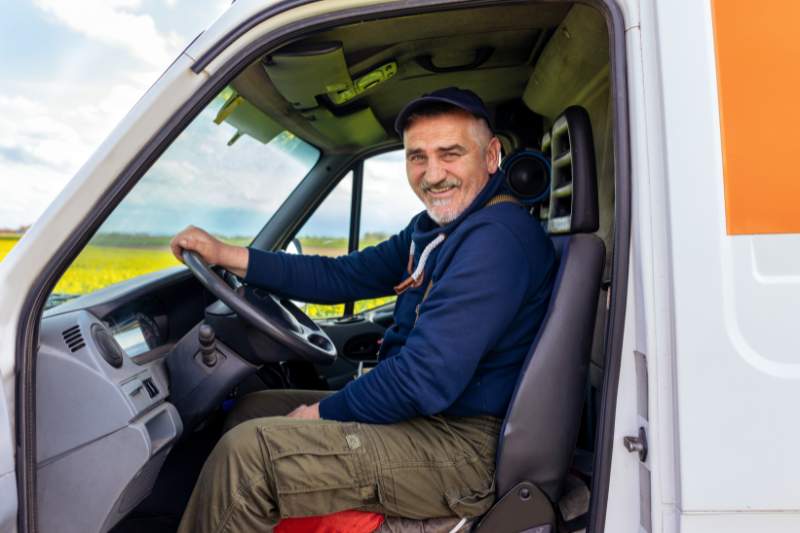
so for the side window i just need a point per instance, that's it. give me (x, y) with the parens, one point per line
(387, 205)
(327, 233)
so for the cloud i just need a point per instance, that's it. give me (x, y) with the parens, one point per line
(43, 142)
(96, 70)
(40, 186)
(28, 128)
(389, 202)
(18, 154)
(115, 22)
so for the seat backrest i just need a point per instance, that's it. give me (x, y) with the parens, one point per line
(541, 426)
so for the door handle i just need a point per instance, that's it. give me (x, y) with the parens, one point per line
(637, 444)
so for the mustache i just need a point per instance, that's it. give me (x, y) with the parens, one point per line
(450, 182)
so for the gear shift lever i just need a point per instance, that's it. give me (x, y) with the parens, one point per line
(208, 345)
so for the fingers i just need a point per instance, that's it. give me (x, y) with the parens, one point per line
(306, 412)
(195, 240)
(212, 250)
(179, 242)
(296, 411)
(175, 247)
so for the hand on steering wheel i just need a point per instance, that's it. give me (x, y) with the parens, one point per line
(279, 319)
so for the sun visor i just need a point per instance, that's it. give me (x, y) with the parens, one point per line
(565, 62)
(302, 73)
(247, 119)
(360, 128)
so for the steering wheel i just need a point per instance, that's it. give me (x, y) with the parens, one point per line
(279, 319)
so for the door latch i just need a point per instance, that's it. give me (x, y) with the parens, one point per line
(637, 444)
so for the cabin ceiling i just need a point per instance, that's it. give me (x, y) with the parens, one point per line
(508, 38)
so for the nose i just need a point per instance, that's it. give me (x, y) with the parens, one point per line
(435, 171)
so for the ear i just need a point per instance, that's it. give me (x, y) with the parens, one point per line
(493, 155)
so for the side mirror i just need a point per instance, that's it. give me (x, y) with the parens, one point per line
(294, 247)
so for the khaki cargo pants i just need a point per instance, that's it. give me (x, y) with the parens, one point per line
(267, 467)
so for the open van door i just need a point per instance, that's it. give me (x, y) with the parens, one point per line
(8, 477)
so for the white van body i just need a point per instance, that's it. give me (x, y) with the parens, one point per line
(709, 314)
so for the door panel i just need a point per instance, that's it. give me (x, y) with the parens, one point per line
(357, 340)
(8, 477)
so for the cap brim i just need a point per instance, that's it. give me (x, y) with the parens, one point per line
(409, 109)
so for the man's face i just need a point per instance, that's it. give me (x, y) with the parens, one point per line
(449, 159)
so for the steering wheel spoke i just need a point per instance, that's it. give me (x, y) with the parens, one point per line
(277, 318)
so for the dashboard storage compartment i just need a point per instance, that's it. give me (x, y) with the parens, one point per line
(92, 487)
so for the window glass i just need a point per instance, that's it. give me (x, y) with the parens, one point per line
(212, 176)
(388, 204)
(327, 233)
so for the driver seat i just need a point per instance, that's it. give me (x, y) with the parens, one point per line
(538, 436)
(540, 430)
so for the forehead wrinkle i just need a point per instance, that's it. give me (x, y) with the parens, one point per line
(451, 147)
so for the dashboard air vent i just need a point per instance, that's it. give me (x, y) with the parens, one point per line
(73, 338)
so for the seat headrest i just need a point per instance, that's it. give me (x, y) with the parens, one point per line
(528, 175)
(573, 191)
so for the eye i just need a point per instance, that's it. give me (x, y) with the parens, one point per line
(416, 158)
(450, 156)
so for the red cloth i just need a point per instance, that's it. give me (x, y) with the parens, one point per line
(341, 522)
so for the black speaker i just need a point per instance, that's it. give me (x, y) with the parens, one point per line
(528, 175)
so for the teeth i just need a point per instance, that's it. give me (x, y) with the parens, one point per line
(441, 187)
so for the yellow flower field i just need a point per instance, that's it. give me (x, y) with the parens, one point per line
(6, 243)
(99, 266)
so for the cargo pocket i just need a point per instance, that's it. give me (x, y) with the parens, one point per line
(319, 468)
(473, 503)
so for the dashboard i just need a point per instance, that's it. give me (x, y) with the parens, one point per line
(119, 381)
(104, 405)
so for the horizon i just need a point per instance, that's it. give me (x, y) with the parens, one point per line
(20, 231)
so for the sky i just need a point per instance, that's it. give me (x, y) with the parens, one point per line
(74, 68)
(71, 70)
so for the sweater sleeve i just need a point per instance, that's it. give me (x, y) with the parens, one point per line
(466, 312)
(369, 273)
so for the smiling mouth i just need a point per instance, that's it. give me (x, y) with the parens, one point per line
(440, 188)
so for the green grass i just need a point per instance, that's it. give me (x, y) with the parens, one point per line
(112, 258)
(334, 247)
(141, 240)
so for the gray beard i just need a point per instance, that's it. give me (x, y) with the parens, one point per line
(443, 220)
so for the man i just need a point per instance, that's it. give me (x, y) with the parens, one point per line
(416, 436)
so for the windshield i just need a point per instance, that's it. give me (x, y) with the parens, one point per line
(227, 172)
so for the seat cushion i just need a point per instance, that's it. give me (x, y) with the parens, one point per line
(341, 522)
(364, 522)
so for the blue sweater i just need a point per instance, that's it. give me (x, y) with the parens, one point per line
(461, 356)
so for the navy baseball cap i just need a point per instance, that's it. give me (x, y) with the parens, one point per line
(462, 98)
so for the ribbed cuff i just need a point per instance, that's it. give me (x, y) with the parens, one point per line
(335, 407)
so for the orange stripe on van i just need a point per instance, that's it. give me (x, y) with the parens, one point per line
(758, 72)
